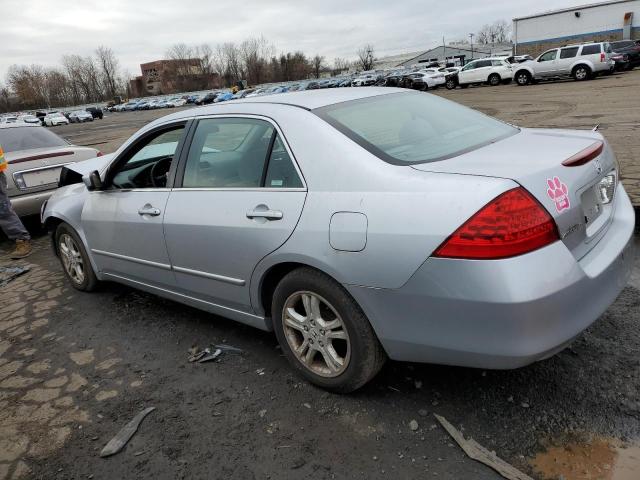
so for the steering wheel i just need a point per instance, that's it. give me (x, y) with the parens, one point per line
(159, 180)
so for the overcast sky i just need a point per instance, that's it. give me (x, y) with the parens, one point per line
(41, 31)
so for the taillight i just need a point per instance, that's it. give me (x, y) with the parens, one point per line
(602, 57)
(584, 156)
(511, 224)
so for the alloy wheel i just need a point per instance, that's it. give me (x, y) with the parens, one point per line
(316, 334)
(71, 258)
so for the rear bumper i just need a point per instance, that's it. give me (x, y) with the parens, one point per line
(30, 204)
(503, 313)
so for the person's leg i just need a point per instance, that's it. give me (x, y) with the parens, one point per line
(10, 223)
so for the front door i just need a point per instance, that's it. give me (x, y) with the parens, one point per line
(123, 222)
(238, 198)
(547, 64)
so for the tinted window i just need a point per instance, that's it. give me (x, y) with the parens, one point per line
(483, 63)
(569, 52)
(26, 138)
(590, 49)
(407, 128)
(547, 56)
(136, 171)
(625, 44)
(228, 153)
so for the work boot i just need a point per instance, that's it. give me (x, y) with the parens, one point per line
(23, 249)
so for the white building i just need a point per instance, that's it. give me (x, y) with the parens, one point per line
(603, 21)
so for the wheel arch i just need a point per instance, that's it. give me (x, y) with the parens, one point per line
(267, 276)
(581, 63)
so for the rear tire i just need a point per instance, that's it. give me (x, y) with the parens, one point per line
(494, 80)
(323, 332)
(581, 73)
(74, 259)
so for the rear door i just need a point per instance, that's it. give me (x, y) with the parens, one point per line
(566, 59)
(238, 197)
(482, 71)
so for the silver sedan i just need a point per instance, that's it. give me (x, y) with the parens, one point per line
(359, 224)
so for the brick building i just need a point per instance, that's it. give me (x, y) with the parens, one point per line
(172, 76)
(596, 22)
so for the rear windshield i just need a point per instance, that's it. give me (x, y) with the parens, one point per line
(27, 138)
(410, 128)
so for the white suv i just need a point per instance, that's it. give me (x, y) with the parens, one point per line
(491, 70)
(581, 62)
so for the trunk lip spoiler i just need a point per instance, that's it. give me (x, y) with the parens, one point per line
(40, 156)
(585, 155)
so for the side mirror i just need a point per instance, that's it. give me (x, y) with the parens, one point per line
(93, 181)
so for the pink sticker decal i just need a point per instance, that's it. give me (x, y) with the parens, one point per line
(559, 193)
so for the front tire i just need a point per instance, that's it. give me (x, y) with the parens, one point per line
(74, 259)
(523, 78)
(324, 333)
(451, 84)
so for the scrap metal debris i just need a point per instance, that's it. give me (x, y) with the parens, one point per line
(211, 353)
(477, 452)
(123, 436)
(10, 273)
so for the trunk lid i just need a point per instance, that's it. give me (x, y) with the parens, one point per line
(533, 158)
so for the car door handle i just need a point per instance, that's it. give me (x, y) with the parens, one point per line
(149, 210)
(268, 214)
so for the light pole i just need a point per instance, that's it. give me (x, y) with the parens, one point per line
(471, 35)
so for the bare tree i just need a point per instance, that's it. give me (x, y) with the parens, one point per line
(317, 64)
(254, 53)
(109, 70)
(497, 32)
(365, 57)
(340, 65)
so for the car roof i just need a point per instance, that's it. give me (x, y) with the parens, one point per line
(311, 99)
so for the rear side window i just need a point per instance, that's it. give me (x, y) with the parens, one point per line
(497, 63)
(238, 153)
(409, 128)
(483, 63)
(27, 138)
(591, 49)
(569, 52)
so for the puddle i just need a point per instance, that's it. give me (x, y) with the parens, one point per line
(600, 459)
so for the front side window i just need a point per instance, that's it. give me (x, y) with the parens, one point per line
(569, 52)
(483, 63)
(548, 56)
(408, 128)
(470, 66)
(238, 153)
(147, 164)
(591, 49)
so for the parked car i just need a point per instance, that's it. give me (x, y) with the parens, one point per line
(207, 99)
(223, 97)
(176, 102)
(96, 112)
(55, 118)
(35, 157)
(450, 76)
(243, 93)
(28, 118)
(492, 71)
(581, 62)
(364, 80)
(626, 54)
(338, 265)
(80, 116)
(9, 119)
(424, 79)
(130, 106)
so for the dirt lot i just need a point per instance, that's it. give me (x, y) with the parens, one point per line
(74, 368)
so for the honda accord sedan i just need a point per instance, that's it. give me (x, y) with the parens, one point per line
(359, 224)
(36, 156)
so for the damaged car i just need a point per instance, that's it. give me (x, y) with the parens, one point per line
(358, 224)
